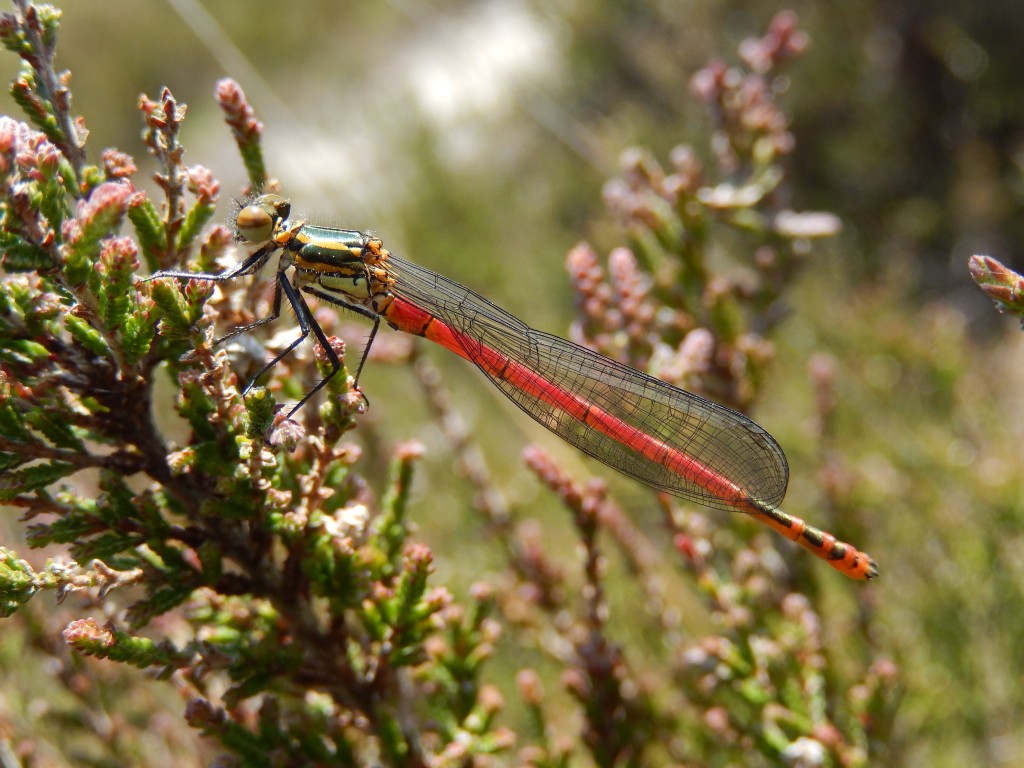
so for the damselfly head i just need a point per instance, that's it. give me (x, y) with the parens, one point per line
(255, 223)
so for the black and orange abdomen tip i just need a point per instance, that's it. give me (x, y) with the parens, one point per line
(869, 566)
(855, 564)
(843, 557)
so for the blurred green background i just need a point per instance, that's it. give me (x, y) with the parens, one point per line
(474, 138)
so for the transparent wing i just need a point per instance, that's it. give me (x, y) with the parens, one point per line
(724, 441)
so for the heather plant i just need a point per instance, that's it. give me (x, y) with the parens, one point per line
(1000, 283)
(246, 562)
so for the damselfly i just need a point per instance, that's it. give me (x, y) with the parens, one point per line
(663, 436)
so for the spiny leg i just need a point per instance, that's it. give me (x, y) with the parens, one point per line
(359, 310)
(366, 350)
(306, 321)
(252, 264)
(274, 314)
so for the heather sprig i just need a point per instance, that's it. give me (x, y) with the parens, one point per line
(19, 582)
(246, 129)
(1000, 283)
(40, 90)
(170, 236)
(664, 288)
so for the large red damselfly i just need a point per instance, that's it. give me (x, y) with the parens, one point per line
(665, 437)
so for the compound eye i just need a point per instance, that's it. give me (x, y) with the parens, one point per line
(276, 205)
(255, 223)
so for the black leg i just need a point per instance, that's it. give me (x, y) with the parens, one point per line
(366, 349)
(252, 264)
(274, 314)
(304, 317)
(308, 324)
